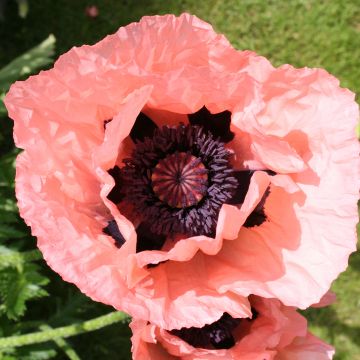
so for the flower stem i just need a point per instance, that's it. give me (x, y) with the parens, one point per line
(64, 345)
(63, 332)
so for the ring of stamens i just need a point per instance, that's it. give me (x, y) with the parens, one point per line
(178, 180)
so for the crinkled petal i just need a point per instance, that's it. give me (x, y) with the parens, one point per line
(309, 347)
(176, 303)
(278, 332)
(309, 245)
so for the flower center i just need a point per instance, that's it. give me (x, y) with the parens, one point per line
(177, 179)
(220, 334)
(180, 180)
(217, 335)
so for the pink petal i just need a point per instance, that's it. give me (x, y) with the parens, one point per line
(328, 299)
(278, 332)
(306, 348)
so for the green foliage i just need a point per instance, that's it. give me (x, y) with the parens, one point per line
(19, 285)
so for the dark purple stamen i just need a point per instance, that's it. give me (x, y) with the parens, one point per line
(191, 211)
(217, 335)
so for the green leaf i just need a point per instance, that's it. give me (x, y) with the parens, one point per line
(7, 166)
(19, 285)
(8, 217)
(38, 57)
(3, 110)
(8, 231)
(8, 205)
(16, 259)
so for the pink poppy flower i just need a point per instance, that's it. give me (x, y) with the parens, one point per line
(274, 331)
(170, 175)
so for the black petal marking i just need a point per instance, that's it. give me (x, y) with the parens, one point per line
(218, 124)
(243, 178)
(143, 127)
(116, 195)
(112, 229)
(147, 240)
(257, 217)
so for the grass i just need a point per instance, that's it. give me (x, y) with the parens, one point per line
(301, 32)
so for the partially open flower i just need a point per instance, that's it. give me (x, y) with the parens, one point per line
(274, 331)
(169, 175)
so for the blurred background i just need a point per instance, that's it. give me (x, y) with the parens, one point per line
(33, 34)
